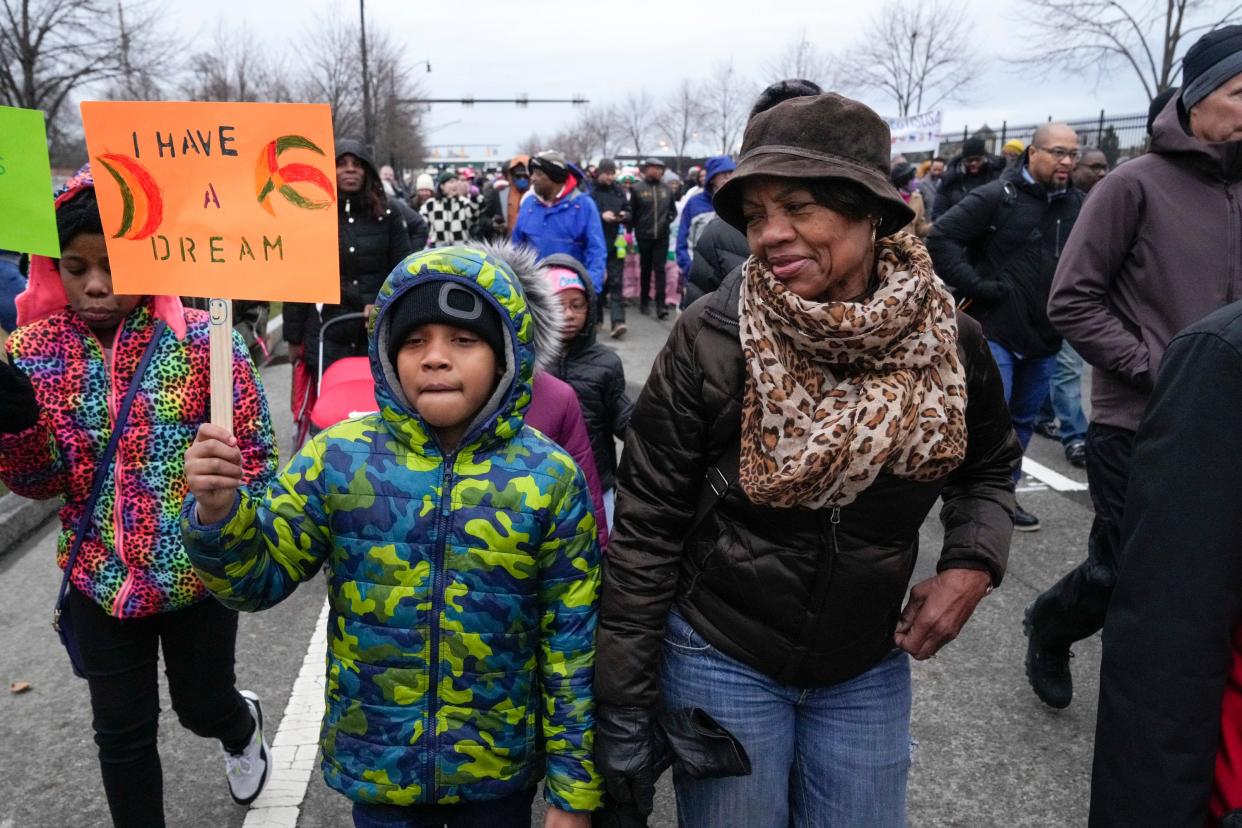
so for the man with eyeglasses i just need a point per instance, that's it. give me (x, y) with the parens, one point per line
(998, 249)
(1091, 167)
(972, 168)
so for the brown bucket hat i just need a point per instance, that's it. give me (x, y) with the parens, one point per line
(813, 138)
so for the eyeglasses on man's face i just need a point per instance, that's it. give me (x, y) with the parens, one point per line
(1060, 153)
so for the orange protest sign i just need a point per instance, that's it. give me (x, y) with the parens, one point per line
(218, 200)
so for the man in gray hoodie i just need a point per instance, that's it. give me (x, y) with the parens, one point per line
(1157, 247)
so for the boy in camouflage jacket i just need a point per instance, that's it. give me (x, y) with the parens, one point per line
(462, 556)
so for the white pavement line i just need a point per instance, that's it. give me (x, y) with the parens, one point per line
(296, 741)
(1055, 480)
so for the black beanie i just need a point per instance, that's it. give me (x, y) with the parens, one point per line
(445, 303)
(1157, 106)
(973, 146)
(1215, 58)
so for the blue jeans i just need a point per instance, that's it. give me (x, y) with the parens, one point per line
(1064, 402)
(1027, 381)
(1067, 395)
(821, 756)
(610, 506)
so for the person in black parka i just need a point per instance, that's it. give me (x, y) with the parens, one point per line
(998, 248)
(596, 374)
(718, 252)
(372, 239)
(973, 167)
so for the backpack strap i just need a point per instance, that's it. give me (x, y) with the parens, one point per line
(717, 481)
(101, 469)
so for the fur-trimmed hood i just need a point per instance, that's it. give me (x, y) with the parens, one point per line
(541, 302)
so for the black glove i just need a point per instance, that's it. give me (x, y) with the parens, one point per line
(627, 755)
(990, 292)
(19, 408)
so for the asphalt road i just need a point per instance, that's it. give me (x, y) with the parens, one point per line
(988, 753)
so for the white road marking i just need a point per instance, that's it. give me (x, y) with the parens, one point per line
(1054, 480)
(296, 741)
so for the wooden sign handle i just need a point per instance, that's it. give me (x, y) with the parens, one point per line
(222, 363)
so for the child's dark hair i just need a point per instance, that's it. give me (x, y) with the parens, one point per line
(78, 215)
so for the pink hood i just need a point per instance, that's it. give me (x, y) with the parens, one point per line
(45, 293)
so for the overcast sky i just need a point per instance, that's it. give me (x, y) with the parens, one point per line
(562, 48)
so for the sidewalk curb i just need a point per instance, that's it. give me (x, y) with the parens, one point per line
(21, 517)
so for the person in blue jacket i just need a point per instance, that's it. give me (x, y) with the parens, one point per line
(717, 170)
(559, 219)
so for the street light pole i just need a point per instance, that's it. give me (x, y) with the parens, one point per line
(368, 127)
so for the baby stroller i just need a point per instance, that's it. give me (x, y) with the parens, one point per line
(346, 389)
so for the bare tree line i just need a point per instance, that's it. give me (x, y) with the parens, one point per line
(914, 56)
(55, 52)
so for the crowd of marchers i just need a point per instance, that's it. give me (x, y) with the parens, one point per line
(851, 338)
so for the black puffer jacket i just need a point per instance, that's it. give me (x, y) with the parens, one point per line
(652, 208)
(370, 247)
(955, 182)
(718, 252)
(999, 248)
(597, 376)
(809, 597)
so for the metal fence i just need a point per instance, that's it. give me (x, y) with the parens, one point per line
(1116, 135)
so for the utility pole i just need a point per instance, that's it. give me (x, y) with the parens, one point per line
(368, 126)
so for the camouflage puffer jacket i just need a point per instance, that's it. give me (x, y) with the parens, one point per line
(462, 588)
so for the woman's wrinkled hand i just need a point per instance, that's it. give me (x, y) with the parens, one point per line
(938, 609)
(213, 468)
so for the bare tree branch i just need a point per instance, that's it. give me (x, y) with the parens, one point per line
(1147, 36)
(726, 97)
(801, 59)
(635, 116)
(331, 73)
(679, 120)
(918, 55)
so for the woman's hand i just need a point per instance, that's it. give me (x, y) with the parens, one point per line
(556, 818)
(938, 609)
(214, 472)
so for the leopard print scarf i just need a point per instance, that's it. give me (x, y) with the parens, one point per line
(837, 392)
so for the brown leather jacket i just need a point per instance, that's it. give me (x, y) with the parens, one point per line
(810, 597)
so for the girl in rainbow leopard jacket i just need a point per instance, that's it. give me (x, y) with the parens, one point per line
(462, 557)
(76, 349)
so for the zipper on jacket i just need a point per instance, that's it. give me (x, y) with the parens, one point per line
(1233, 245)
(437, 606)
(118, 524)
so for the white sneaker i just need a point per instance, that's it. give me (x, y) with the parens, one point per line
(247, 771)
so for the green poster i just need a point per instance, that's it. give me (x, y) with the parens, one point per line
(27, 212)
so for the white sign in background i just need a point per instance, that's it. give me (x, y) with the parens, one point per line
(916, 133)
